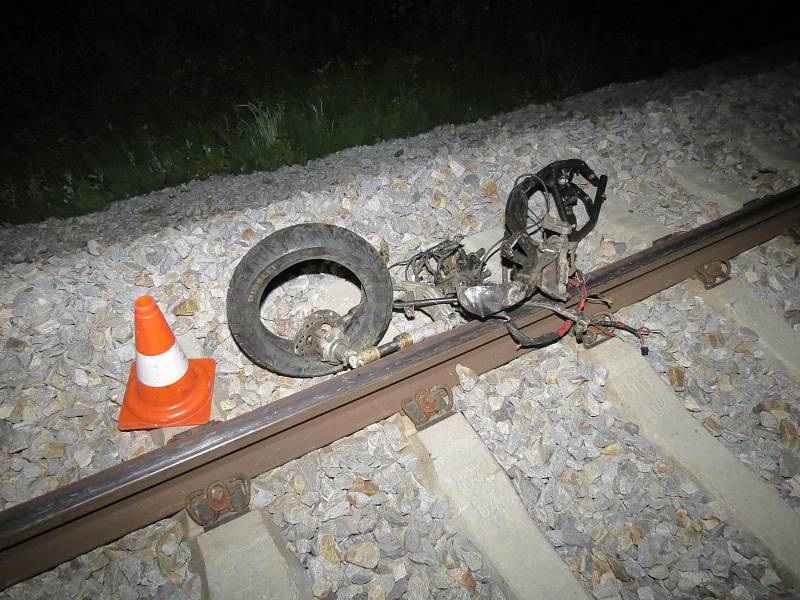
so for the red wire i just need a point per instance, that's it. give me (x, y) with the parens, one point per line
(568, 323)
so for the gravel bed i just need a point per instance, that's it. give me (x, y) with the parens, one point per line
(358, 517)
(629, 523)
(67, 289)
(726, 382)
(149, 563)
(773, 271)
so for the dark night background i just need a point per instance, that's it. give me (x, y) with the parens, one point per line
(103, 100)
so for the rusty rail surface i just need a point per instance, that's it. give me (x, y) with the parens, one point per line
(60, 525)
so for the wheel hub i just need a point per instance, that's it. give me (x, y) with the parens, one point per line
(319, 332)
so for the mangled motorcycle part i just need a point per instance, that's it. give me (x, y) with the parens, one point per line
(487, 300)
(278, 253)
(522, 340)
(426, 298)
(321, 335)
(448, 265)
(324, 345)
(556, 179)
(546, 264)
(575, 322)
(554, 258)
(402, 341)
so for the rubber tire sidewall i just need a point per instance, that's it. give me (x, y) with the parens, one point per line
(282, 250)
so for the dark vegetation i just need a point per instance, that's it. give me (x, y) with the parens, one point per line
(103, 100)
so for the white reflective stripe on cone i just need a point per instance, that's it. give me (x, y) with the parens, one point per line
(163, 369)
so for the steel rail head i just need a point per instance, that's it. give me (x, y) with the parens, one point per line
(41, 533)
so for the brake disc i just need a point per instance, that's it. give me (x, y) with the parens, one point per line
(315, 325)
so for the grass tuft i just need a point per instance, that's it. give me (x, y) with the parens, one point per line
(263, 126)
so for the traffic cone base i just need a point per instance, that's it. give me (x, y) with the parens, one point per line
(185, 402)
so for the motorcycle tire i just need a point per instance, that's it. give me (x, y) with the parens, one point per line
(279, 252)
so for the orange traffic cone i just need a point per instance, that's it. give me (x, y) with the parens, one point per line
(165, 389)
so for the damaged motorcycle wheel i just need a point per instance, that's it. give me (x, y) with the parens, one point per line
(278, 253)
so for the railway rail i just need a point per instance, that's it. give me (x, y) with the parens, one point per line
(43, 532)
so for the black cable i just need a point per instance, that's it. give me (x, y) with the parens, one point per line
(545, 192)
(534, 227)
(425, 256)
(413, 259)
(639, 333)
(487, 255)
(424, 302)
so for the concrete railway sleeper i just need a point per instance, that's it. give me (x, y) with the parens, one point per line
(57, 526)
